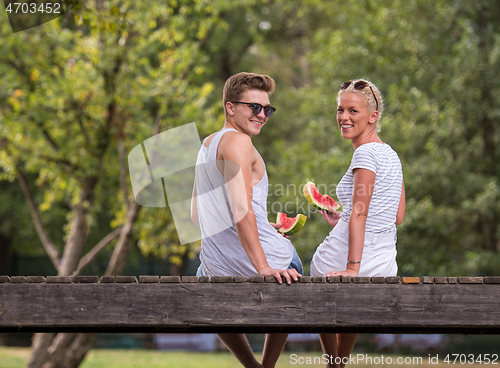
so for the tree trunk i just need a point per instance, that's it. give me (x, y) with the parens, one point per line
(76, 241)
(48, 350)
(79, 349)
(68, 350)
(57, 349)
(72, 356)
(40, 349)
(119, 255)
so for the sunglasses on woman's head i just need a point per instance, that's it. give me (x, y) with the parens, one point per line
(257, 108)
(358, 86)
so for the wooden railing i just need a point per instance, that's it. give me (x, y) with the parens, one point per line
(465, 305)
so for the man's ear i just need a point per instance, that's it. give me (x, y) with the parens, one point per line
(230, 108)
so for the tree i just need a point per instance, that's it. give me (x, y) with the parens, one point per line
(75, 102)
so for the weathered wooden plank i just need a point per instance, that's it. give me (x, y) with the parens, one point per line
(250, 307)
(86, 279)
(305, 279)
(321, 279)
(470, 280)
(35, 279)
(59, 279)
(18, 279)
(392, 280)
(107, 279)
(333, 279)
(361, 280)
(428, 279)
(256, 279)
(125, 279)
(492, 280)
(189, 279)
(440, 280)
(149, 279)
(410, 280)
(171, 279)
(222, 279)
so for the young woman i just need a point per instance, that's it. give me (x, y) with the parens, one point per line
(363, 239)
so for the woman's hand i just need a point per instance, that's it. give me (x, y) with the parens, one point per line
(347, 272)
(332, 218)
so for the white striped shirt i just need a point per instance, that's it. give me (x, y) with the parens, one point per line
(384, 162)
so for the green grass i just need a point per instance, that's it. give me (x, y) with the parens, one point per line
(115, 358)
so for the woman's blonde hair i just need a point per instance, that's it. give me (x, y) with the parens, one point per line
(370, 94)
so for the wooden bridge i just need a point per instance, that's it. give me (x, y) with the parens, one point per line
(463, 305)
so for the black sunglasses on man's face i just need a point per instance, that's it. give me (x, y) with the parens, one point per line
(257, 108)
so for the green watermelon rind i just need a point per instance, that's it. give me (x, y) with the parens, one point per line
(312, 201)
(297, 226)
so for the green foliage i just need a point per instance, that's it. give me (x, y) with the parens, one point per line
(436, 65)
(77, 89)
(435, 62)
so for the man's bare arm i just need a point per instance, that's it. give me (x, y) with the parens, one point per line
(239, 155)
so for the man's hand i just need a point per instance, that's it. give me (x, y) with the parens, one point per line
(287, 274)
(332, 218)
(277, 226)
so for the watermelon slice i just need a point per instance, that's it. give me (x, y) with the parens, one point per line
(318, 200)
(290, 225)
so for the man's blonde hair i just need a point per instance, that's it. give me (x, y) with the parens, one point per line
(237, 84)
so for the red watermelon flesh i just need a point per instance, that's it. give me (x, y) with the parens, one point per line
(318, 200)
(290, 225)
(318, 197)
(329, 203)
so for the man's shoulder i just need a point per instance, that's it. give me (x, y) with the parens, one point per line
(234, 140)
(208, 139)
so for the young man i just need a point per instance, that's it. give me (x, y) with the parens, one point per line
(230, 204)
